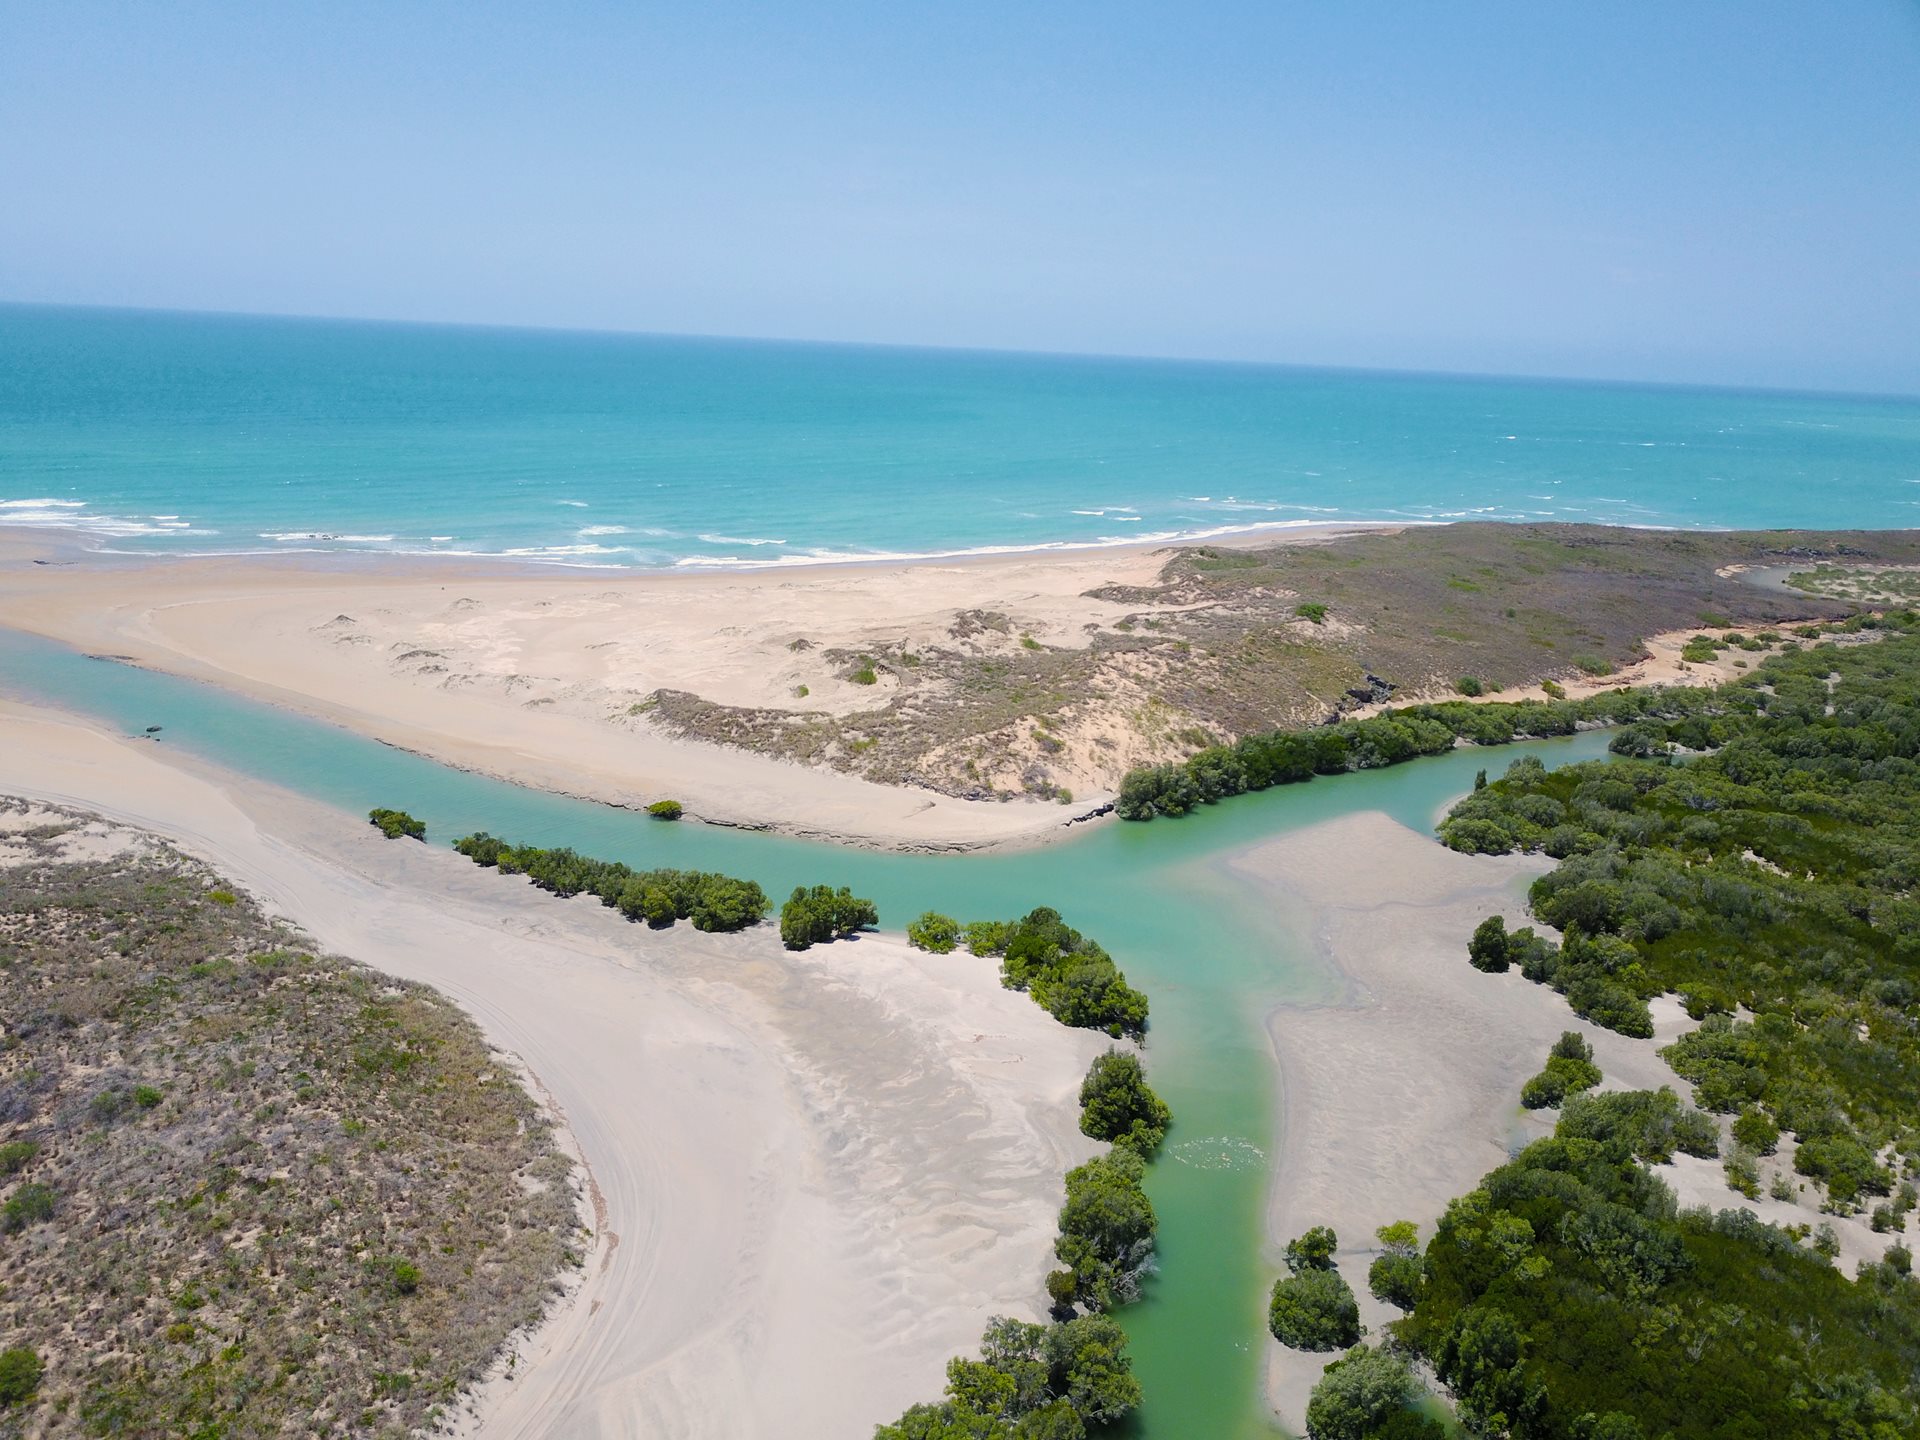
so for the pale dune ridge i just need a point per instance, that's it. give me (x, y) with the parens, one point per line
(541, 675)
(812, 1178)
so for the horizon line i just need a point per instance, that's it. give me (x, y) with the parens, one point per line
(922, 347)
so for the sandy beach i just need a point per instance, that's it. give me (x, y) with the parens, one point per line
(1400, 1087)
(542, 675)
(837, 1164)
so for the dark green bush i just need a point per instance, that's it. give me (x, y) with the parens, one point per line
(1107, 1230)
(1314, 1310)
(712, 901)
(395, 824)
(817, 914)
(20, 1372)
(31, 1204)
(1117, 1104)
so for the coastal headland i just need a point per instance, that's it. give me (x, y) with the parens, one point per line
(936, 705)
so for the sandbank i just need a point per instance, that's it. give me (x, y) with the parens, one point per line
(542, 675)
(811, 1178)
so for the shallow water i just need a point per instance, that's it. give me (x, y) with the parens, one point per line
(1209, 951)
(175, 432)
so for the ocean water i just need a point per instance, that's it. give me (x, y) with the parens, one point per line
(161, 431)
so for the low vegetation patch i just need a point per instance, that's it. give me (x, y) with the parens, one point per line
(659, 897)
(1117, 1104)
(397, 824)
(253, 1190)
(1312, 1307)
(814, 915)
(1069, 975)
(1031, 1382)
(935, 933)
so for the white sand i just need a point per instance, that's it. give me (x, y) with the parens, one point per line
(532, 673)
(1401, 1088)
(819, 1175)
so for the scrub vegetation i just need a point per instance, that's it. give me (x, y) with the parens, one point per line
(1236, 642)
(249, 1190)
(1286, 757)
(1756, 855)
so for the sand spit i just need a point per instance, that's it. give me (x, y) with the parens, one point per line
(544, 676)
(1400, 1085)
(813, 1178)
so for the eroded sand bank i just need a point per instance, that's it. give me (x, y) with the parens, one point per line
(814, 1177)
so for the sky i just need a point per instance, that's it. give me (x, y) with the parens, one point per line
(1722, 191)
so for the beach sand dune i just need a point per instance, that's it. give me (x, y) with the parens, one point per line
(545, 676)
(811, 1178)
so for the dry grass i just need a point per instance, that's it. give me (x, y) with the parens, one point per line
(1218, 649)
(291, 1195)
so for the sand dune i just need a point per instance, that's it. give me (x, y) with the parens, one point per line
(836, 1164)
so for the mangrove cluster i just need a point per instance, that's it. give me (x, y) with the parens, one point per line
(659, 897)
(1757, 856)
(1068, 974)
(1285, 757)
(1058, 1381)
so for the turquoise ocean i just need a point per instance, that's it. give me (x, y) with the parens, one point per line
(162, 431)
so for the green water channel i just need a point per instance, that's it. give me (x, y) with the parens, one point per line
(1208, 948)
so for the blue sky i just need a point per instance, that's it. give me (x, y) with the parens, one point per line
(1700, 191)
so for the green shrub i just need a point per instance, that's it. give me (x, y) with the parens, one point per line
(665, 810)
(31, 1204)
(401, 1276)
(1107, 1230)
(1488, 950)
(1117, 1104)
(1756, 1129)
(712, 901)
(935, 933)
(1069, 975)
(394, 824)
(1314, 1250)
(1314, 1310)
(1032, 1382)
(1369, 1394)
(813, 916)
(20, 1372)
(1395, 1274)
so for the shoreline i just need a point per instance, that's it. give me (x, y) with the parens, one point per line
(802, 1159)
(579, 726)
